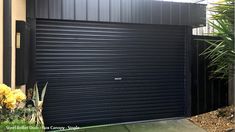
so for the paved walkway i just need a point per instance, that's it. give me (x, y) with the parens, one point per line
(182, 125)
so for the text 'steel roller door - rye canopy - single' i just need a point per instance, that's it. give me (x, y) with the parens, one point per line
(102, 73)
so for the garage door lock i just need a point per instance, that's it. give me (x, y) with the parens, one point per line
(117, 78)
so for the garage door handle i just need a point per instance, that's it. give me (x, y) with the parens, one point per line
(117, 78)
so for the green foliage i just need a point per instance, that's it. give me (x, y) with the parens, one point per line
(221, 52)
(223, 10)
(19, 126)
(8, 115)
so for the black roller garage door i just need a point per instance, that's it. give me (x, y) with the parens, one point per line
(102, 73)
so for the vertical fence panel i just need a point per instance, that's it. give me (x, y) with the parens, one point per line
(194, 77)
(207, 94)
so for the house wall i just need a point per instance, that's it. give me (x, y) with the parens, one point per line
(1, 41)
(18, 13)
(123, 11)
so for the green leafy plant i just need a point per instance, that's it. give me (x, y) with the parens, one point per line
(221, 52)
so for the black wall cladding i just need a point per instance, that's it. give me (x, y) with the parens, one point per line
(102, 73)
(123, 11)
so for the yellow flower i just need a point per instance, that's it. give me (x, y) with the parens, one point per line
(10, 98)
(19, 95)
(10, 101)
(4, 90)
(11, 106)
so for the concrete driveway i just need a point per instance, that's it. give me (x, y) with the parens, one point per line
(182, 125)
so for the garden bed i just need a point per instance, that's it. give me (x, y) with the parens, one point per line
(221, 120)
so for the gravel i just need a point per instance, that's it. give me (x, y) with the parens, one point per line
(221, 120)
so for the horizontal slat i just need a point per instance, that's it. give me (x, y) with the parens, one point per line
(116, 101)
(104, 26)
(129, 107)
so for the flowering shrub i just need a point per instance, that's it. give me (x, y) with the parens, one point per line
(14, 116)
(10, 101)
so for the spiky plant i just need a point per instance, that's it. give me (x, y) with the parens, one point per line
(221, 52)
(37, 117)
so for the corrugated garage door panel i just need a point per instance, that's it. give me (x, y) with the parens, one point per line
(101, 73)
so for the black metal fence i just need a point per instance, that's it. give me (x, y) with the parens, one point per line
(207, 94)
